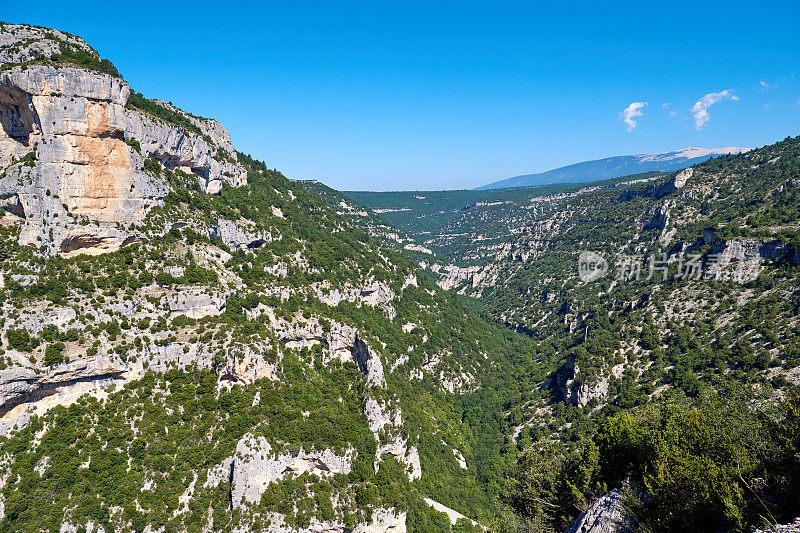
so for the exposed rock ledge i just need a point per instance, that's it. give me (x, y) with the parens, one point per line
(453, 515)
(383, 521)
(20, 385)
(604, 516)
(254, 467)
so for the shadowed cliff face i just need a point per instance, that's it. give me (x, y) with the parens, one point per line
(17, 116)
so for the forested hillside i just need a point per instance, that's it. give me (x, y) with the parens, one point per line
(695, 318)
(191, 341)
(678, 359)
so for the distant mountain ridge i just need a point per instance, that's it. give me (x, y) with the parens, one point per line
(614, 167)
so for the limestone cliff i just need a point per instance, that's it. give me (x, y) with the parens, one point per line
(73, 152)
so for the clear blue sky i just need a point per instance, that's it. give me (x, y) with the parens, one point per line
(429, 95)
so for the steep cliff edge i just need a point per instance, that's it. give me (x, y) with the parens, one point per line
(77, 159)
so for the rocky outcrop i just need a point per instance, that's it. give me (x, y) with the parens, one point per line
(64, 160)
(384, 521)
(376, 293)
(373, 293)
(575, 392)
(208, 154)
(368, 362)
(342, 342)
(20, 385)
(20, 43)
(195, 303)
(386, 421)
(65, 155)
(743, 250)
(606, 515)
(254, 466)
(674, 184)
(99, 240)
(239, 235)
(37, 318)
(453, 515)
(452, 276)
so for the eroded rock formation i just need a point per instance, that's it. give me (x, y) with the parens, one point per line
(72, 154)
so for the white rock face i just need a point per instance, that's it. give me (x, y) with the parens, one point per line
(452, 276)
(460, 458)
(384, 521)
(382, 419)
(452, 514)
(412, 461)
(579, 394)
(239, 235)
(369, 362)
(374, 294)
(254, 466)
(682, 177)
(57, 385)
(69, 123)
(188, 150)
(195, 303)
(37, 318)
(63, 133)
(604, 516)
(343, 344)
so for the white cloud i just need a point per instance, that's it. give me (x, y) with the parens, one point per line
(700, 108)
(672, 112)
(765, 85)
(631, 112)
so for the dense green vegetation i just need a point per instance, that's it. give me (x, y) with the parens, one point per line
(708, 464)
(84, 59)
(448, 221)
(655, 357)
(153, 108)
(312, 402)
(288, 312)
(181, 426)
(418, 213)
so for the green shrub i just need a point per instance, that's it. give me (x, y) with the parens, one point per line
(53, 354)
(19, 339)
